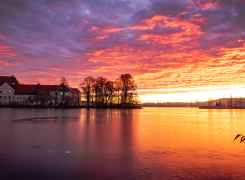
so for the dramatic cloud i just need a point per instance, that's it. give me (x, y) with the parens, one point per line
(163, 44)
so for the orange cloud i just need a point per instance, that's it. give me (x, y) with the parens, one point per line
(94, 28)
(85, 21)
(7, 51)
(111, 29)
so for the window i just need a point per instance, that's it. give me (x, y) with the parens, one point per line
(4, 97)
(18, 97)
(5, 91)
(9, 97)
(38, 102)
(9, 91)
(66, 94)
(0, 91)
(29, 98)
(24, 97)
(51, 93)
(51, 98)
(0, 97)
(56, 94)
(34, 102)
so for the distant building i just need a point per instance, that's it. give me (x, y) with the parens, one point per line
(12, 92)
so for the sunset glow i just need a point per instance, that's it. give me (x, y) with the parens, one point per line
(177, 51)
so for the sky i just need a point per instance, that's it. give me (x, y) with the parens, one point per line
(176, 50)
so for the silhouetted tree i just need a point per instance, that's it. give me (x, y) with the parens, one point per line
(87, 88)
(117, 89)
(74, 99)
(100, 83)
(41, 96)
(128, 88)
(64, 87)
(102, 91)
(109, 89)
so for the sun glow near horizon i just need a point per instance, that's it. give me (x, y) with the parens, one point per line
(190, 94)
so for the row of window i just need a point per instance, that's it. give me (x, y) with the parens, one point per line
(23, 103)
(52, 93)
(5, 91)
(24, 97)
(5, 97)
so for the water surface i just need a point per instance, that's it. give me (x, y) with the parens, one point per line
(149, 143)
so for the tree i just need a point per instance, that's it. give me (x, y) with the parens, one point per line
(87, 87)
(64, 87)
(109, 89)
(117, 88)
(41, 96)
(128, 88)
(100, 83)
(74, 99)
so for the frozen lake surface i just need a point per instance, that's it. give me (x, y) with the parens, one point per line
(149, 143)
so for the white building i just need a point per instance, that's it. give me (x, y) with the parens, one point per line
(12, 92)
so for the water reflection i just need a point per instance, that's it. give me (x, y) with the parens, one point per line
(150, 143)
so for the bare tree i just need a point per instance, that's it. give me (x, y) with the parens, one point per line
(100, 90)
(109, 89)
(43, 97)
(74, 99)
(64, 86)
(38, 90)
(117, 89)
(128, 88)
(87, 87)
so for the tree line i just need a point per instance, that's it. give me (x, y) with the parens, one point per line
(101, 92)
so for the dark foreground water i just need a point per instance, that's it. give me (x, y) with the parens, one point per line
(149, 143)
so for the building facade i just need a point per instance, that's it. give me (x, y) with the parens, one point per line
(12, 92)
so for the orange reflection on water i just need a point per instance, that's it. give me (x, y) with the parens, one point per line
(149, 143)
(191, 143)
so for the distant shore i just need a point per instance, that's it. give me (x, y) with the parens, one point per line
(219, 107)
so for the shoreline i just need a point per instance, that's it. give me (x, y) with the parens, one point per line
(69, 107)
(219, 107)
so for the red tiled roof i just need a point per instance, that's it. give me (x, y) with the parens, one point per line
(24, 89)
(8, 79)
(33, 89)
(54, 88)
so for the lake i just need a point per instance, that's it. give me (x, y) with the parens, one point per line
(149, 143)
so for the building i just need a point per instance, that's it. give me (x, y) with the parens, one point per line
(12, 92)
